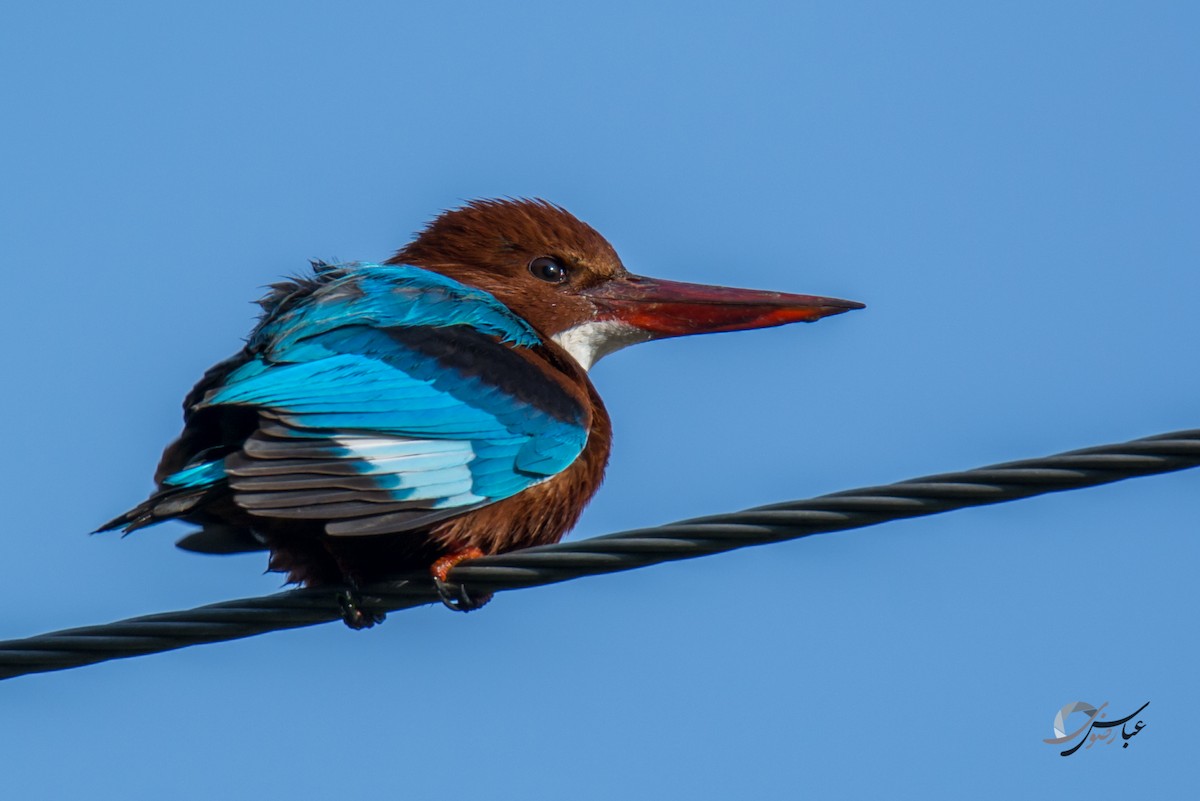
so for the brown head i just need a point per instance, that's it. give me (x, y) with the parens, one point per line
(565, 279)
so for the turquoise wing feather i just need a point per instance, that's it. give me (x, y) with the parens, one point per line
(391, 397)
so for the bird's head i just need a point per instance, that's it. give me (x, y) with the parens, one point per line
(566, 280)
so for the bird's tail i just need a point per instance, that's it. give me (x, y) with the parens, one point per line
(177, 495)
(169, 502)
(188, 494)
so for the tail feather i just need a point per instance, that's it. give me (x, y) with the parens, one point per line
(168, 503)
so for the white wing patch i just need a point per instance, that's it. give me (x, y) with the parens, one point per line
(431, 469)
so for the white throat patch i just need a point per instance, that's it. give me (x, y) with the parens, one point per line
(589, 342)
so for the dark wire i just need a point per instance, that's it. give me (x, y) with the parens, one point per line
(625, 550)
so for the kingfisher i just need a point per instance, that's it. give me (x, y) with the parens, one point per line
(405, 416)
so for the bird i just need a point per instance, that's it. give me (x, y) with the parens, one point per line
(390, 418)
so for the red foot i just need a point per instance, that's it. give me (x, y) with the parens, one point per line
(442, 567)
(456, 596)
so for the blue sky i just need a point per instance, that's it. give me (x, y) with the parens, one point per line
(1013, 191)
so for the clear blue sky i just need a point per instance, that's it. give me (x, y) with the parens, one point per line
(1013, 190)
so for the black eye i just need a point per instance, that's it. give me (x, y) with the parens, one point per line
(548, 269)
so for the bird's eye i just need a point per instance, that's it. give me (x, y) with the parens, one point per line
(547, 269)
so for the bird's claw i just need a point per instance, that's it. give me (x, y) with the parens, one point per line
(353, 614)
(456, 596)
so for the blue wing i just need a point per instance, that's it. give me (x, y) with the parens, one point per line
(388, 398)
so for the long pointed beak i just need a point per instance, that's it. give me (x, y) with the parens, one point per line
(673, 309)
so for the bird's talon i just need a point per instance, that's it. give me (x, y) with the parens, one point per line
(353, 614)
(457, 597)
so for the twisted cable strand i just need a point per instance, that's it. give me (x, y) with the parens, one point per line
(624, 550)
